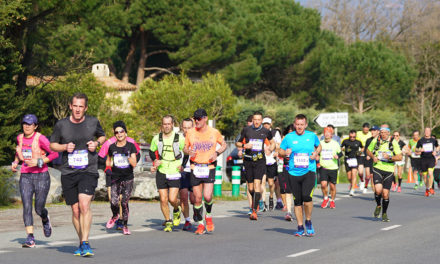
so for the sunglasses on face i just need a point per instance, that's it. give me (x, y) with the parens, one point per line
(119, 131)
(198, 118)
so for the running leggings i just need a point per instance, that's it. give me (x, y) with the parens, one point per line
(302, 187)
(30, 183)
(123, 188)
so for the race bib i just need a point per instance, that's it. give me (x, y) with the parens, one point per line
(201, 171)
(352, 163)
(301, 160)
(257, 144)
(78, 159)
(327, 154)
(27, 154)
(428, 147)
(175, 176)
(121, 161)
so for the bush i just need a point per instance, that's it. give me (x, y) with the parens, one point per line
(5, 186)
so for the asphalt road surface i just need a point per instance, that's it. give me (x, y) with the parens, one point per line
(347, 234)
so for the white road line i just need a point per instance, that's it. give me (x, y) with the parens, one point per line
(225, 216)
(105, 236)
(303, 253)
(146, 229)
(4, 251)
(390, 227)
(58, 243)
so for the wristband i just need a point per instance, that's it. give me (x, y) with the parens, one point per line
(40, 163)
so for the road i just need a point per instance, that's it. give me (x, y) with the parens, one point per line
(347, 234)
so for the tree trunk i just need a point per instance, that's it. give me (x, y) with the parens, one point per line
(129, 59)
(142, 58)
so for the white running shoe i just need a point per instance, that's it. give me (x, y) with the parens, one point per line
(351, 192)
(362, 186)
(364, 190)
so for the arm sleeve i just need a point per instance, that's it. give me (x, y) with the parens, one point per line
(45, 145)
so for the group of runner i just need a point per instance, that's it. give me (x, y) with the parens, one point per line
(185, 168)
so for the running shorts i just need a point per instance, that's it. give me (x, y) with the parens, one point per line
(254, 170)
(302, 187)
(76, 183)
(383, 177)
(163, 183)
(328, 175)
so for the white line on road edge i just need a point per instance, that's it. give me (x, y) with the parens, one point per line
(105, 236)
(390, 227)
(303, 253)
(4, 251)
(146, 229)
(59, 243)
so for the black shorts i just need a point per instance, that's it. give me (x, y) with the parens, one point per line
(197, 181)
(361, 160)
(76, 183)
(185, 181)
(254, 170)
(383, 177)
(427, 163)
(163, 183)
(328, 175)
(437, 175)
(302, 187)
(368, 163)
(347, 168)
(284, 182)
(416, 164)
(271, 171)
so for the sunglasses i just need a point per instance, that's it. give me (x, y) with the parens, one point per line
(119, 131)
(198, 118)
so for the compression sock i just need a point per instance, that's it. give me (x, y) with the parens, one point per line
(378, 198)
(208, 207)
(385, 204)
(366, 182)
(257, 197)
(400, 182)
(198, 211)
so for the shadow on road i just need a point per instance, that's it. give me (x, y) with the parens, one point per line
(367, 218)
(65, 249)
(281, 230)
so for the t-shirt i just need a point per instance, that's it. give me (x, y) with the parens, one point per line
(258, 137)
(363, 137)
(121, 169)
(81, 159)
(329, 150)
(302, 147)
(412, 145)
(351, 148)
(204, 144)
(104, 148)
(428, 145)
(384, 147)
(169, 163)
(277, 138)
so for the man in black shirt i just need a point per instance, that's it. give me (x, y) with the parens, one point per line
(77, 137)
(427, 148)
(352, 148)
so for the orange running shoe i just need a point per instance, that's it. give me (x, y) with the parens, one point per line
(209, 224)
(253, 216)
(427, 193)
(431, 191)
(200, 230)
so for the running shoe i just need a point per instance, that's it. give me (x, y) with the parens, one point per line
(253, 216)
(209, 224)
(250, 211)
(270, 204)
(126, 231)
(176, 217)
(86, 250)
(385, 217)
(284, 209)
(300, 232)
(29, 243)
(187, 226)
(168, 226)
(351, 192)
(279, 205)
(47, 228)
(111, 222)
(416, 186)
(265, 207)
(78, 251)
(377, 211)
(361, 185)
(399, 189)
(261, 205)
(431, 191)
(288, 217)
(120, 224)
(324, 203)
(310, 231)
(427, 192)
(332, 205)
(200, 230)
(393, 187)
(364, 190)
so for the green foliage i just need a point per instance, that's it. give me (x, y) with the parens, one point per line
(5, 186)
(180, 97)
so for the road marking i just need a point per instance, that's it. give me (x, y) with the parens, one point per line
(105, 236)
(58, 243)
(303, 253)
(4, 251)
(390, 227)
(146, 229)
(225, 216)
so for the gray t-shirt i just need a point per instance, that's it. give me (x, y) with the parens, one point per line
(80, 160)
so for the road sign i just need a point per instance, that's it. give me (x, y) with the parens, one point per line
(336, 119)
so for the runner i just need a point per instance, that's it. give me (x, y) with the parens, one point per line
(302, 147)
(200, 145)
(384, 151)
(271, 165)
(352, 148)
(253, 140)
(399, 164)
(437, 170)
(329, 160)
(283, 177)
(368, 161)
(77, 137)
(415, 159)
(185, 182)
(34, 152)
(120, 162)
(165, 151)
(334, 136)
(362, 136)
(427, 148)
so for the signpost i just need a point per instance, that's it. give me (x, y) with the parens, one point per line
(338, 119)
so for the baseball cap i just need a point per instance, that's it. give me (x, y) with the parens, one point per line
(30, 119)
(267, 120)
(374, 128)
(199, 113)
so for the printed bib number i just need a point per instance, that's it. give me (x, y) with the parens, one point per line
(27, 154)
(121, 161)
(352, 163)
(428, 147)
(175, 176)
(327, 154)
(257, 144)
(301, 160)
(201, 171)
(78, 159)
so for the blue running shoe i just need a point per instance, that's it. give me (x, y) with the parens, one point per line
(250, 211)
(261, 205)
(309, 227)
(86, 250)
(299, 232)
(119, 224)
(78, 251)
